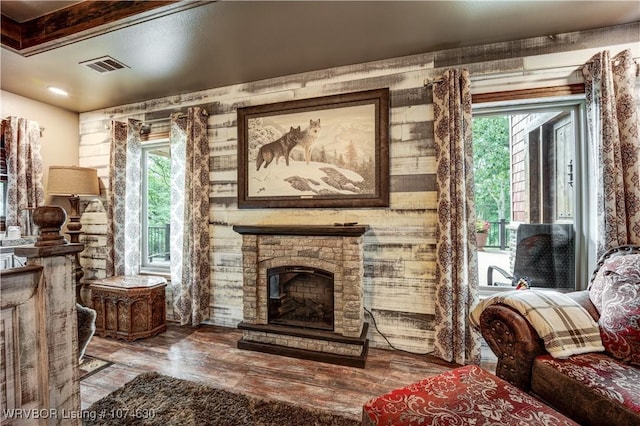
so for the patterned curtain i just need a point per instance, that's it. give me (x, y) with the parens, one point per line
(456, 254)
(24, 169)
(190, 215)
(612, 111)
(123, 215)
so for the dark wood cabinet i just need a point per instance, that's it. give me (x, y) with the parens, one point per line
(129, 307)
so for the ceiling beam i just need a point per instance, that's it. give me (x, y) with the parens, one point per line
(10, 30)
(81, 21)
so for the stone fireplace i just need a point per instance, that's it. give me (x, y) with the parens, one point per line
(303, 292)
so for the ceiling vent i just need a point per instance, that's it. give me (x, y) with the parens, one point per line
(104, 64)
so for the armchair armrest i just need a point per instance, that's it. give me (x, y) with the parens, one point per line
(514, 341)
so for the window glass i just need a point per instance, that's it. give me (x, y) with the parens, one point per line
(156, 204)
(526, 167)
(3, 184)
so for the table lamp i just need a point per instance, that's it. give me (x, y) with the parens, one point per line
(73, 182)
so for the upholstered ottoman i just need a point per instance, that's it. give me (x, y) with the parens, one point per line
(129, 307)
(463, 396)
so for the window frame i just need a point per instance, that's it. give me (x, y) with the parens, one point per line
(576, 104)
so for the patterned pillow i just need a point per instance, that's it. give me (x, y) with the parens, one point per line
(620, 317)
(627, 266)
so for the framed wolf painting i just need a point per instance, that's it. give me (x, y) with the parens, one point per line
(327, 152)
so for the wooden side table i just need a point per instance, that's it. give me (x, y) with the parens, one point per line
(129, 307)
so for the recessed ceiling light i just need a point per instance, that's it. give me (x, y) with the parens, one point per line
(58, 91)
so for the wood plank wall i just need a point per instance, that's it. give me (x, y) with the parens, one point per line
(400, 248)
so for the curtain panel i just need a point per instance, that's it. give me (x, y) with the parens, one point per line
(25, 188)
(190, 246)
(456, 252)
(124, 196)
(612, 115)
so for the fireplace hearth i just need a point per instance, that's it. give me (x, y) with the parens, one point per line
(303, 292)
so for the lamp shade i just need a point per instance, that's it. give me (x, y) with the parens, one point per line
(72, 180)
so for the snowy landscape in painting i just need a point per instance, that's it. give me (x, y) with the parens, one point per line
(342, 158)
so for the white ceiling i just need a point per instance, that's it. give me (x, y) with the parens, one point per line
(227, 42)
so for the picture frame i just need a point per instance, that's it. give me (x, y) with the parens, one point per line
(325, 152)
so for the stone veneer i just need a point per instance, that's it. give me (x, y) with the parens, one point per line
(335, 249)
(303, 343)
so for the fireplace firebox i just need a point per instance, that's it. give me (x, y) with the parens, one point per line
(300, 297)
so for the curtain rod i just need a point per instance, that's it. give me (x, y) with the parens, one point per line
(155, 120)
(40, 127)
(431, 81)
(145, 126)
(500, 74)
(495, 75)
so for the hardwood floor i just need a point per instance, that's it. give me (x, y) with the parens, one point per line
(208, 354)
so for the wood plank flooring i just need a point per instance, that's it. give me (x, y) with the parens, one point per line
(208, 354)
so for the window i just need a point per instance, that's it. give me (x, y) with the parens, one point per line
(156, 205)
(527, 162)
(3, 184)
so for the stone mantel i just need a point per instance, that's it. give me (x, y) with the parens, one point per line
(337, 230)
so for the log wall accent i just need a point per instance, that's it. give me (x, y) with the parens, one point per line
(400, 248)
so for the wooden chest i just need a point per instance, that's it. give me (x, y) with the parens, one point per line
(129, 307)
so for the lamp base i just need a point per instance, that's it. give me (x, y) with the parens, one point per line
(74, 236)
(73, 229)
(78, 272)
